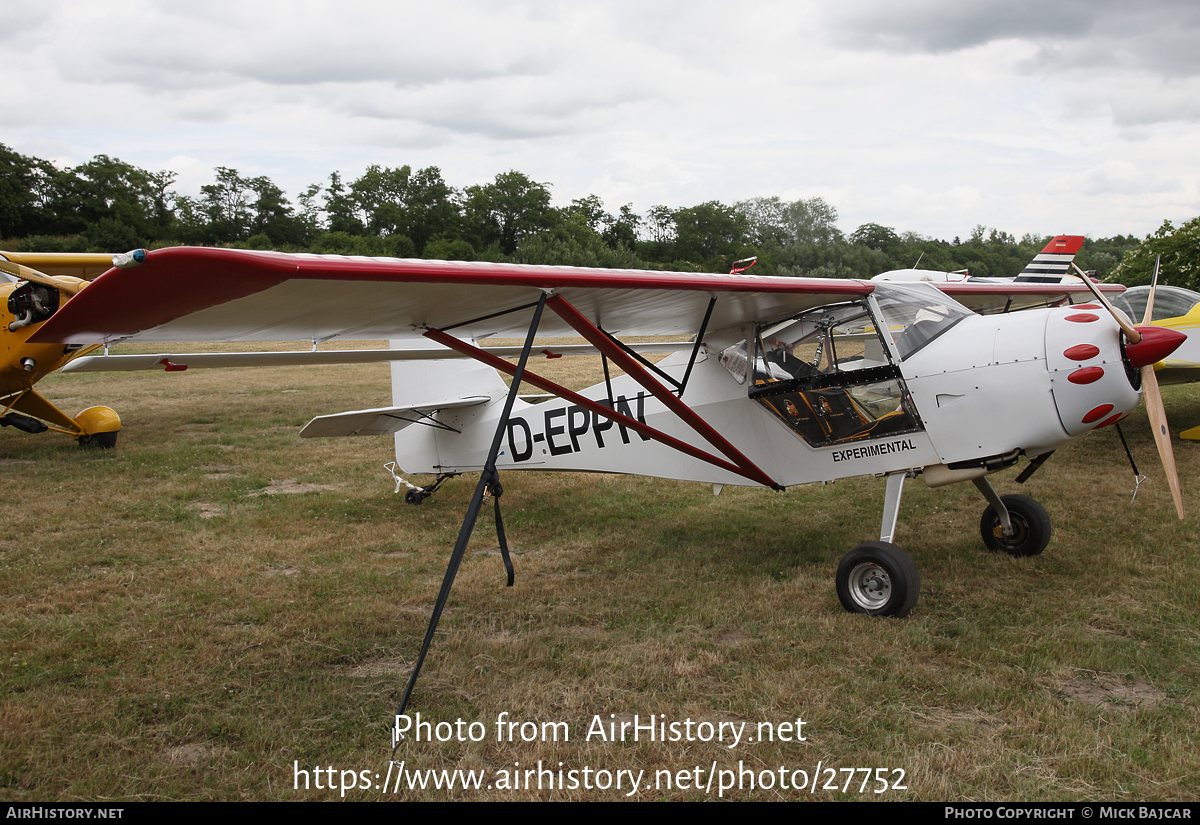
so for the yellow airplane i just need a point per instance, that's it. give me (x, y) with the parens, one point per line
(1174, 308)
(1178, 309)
(33, 285)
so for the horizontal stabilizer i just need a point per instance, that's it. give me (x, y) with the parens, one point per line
(172, 362)
(385, 420)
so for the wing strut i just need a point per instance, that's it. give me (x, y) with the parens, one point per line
(489, 479)
(712, 302)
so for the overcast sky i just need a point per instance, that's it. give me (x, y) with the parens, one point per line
(1046, 117)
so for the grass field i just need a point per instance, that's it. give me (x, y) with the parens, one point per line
(217, 603)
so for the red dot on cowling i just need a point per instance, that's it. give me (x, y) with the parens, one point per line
(1083, 317)
(1098, 413)
(1087, 375)
(1082, 352)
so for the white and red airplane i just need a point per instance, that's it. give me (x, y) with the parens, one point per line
(786, 380)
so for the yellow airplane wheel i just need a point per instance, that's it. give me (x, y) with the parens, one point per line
(100, 426)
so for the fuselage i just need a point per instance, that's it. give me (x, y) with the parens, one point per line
(17, 352)
(904, 379)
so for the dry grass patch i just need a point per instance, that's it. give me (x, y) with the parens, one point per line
(288, 487)
(1111, 691)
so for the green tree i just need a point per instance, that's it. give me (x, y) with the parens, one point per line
(309, 215)
(874, 236)
(340, 208)
(621, 230)
(1104, 254)
(711, 234)
(591, 210)
(273, 216)
(107, 188)
(21, 209)
(574, 242)
(811, 221)
(381, 198)
(507, 210)
(225, 206)
(433, 207)
(1179, 249)
(774, 222)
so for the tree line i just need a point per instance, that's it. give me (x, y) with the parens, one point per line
(106, 204)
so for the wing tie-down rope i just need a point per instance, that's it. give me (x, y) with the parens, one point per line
(488, 479)
(495, 491)
(1138, 478)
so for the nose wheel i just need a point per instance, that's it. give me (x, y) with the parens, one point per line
(879, 579)
(1030, 527)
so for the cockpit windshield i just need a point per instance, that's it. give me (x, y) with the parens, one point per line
(915, 314)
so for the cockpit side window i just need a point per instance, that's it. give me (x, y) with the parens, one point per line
(822, 342)
(828, 375)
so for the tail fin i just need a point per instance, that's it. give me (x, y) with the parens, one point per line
(1050, 266)
(417, 382)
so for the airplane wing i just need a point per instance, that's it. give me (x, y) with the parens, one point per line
(85, 265)
(200, 294)
(989, 298)
(203, 294)
(173, 362)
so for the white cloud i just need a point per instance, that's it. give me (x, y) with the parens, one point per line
(931, 117)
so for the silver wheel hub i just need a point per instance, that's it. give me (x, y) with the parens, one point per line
(870, 586)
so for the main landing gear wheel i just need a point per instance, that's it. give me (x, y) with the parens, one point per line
(879, 579)
(1031, 527)
(103, 441)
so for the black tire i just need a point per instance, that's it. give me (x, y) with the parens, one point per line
(878, 579)
(1030, 521)
(104, 441)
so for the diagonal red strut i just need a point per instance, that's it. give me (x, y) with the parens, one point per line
(595, 407)
(596, 337)
(599, 409)
(486, 357)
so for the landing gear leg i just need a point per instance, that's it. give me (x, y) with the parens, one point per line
(891, 506)
(999, 510)
(415, 494)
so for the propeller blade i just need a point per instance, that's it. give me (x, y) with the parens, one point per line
(1131, 334)
(1153, 397)
(1162, 435)
(1149, 314)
